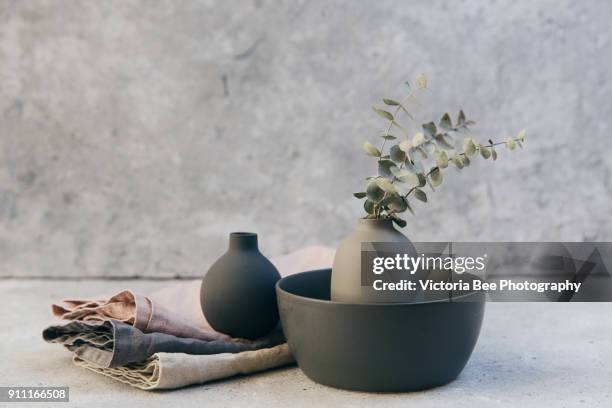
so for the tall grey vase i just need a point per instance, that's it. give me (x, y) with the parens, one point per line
(237, 295)
(346, 279)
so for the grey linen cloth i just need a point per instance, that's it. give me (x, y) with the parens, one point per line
(163, 341)
(112, 343)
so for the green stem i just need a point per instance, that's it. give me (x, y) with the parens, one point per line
(516, 139)
(397, 109)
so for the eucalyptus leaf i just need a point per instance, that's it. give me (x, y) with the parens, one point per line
(405, 145)
(435, 177)
(418, 139)
(396, 154)
(374, 192)
(383, 113)
(458, 160)
(386, 185)
(360, 195)
(510, 143)
(420, 195)
(400, 223)
(397, 203)
(371, 150)
(422, 179)
(384, 167)
(390, 102)
(461, 119)
(410, 178)
(484, 151)
(368, 206)
(442, 142)
(493, 154)
(429, 129)
(469, 146)
(441, 158)
(466, 161)
(445, 122)
(521, 135)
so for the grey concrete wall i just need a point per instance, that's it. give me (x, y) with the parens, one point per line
(136, 135)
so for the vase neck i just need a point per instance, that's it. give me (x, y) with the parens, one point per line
(243, 240)
(369, 224)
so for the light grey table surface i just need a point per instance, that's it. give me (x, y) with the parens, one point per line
(528, 355)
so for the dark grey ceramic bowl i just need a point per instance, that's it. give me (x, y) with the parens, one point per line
(379, 347)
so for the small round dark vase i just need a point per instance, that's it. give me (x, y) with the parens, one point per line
(237, 294)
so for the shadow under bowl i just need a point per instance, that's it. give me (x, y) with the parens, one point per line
(377, 347)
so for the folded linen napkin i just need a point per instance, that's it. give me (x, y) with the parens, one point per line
(176, 370)
(138, 311)
(113, 343)
(163, 340)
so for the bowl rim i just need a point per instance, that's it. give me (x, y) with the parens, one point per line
(309, 300)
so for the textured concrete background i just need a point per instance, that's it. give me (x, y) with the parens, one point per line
(136, 135)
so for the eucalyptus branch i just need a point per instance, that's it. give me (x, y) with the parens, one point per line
(400, 106)
(407, 159)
